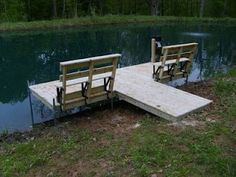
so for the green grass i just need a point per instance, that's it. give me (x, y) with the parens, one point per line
(109, 19)
(225, 88)
(19, 157)
(153, 148)
(189, 153)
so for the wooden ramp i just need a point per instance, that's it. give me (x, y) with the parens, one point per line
(135, 85)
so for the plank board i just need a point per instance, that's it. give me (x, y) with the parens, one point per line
(135, 85)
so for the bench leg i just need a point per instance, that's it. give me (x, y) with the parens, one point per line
(56, 113)
(186, 81)
(112, 103)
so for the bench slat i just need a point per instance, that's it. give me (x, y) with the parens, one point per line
(73, 95)
(79, 74)
(178, 46)
(74, 64)
(81, 101)
(169, 62)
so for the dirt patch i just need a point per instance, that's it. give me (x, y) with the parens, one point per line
(120, 121)
(206, 115)
(204, 89)
(97, 168)
(185, 123)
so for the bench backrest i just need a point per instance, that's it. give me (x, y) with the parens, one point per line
(178, 51)
(83, 71)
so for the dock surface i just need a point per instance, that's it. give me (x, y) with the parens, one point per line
(135, 85)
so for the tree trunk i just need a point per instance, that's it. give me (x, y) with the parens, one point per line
(54, 2)
(202, 5)
(100, 6)
(162, 8)
(90, 8)
(154, 6)
(28, 7)
(225, 8)
(63, 8)
(76, 9)
(5, 6)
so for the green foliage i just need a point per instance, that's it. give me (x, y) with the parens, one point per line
(12, 10)
(28, 10)
(109, 19)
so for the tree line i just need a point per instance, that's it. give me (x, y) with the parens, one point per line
(29, 10)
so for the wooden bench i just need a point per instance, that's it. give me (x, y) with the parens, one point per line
(175, 62)
(86, 81)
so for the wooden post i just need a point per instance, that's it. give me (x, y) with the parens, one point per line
(163, 64)
(90, 79)
(153, 51)
(113, 74)
(64, 71)
(191, 58)
(177, 60)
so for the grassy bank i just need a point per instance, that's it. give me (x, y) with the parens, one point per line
(130, 142)
(112, 19)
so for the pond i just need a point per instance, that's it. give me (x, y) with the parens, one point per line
(35, 57)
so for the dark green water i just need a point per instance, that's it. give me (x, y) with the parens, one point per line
(36, 56)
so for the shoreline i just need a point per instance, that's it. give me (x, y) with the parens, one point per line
(108, 20)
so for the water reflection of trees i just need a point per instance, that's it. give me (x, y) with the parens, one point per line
(216, 46)
(219, 52)
(36, 57)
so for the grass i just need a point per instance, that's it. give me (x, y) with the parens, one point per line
(93, 147)
(109, 19)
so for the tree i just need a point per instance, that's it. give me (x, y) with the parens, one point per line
(225, 7)
(54, 2)
(28, 7)
(202, 5)
(63, 8)
(28, 10)
(154, 6)
(76, 9)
